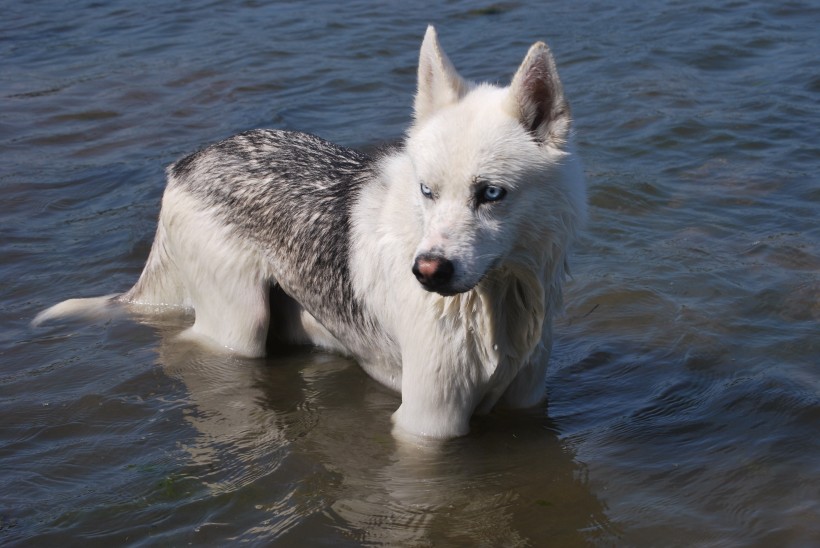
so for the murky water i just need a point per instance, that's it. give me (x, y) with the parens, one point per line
(685, 387)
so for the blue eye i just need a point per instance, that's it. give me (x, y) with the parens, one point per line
(491, 194)
(425, 191)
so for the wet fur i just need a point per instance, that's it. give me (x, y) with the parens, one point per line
(335, 232)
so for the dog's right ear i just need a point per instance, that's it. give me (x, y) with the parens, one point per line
(439, 83)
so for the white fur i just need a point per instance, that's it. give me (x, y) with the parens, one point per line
(464, 353)
(93, 308)
(449, 356)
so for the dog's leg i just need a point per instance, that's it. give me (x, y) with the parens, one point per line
(436, 402)
(199, 261)
(529, 387)
(233, 315)
(229, 288)
(290, 323)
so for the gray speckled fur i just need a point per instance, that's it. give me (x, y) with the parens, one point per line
(291, 193)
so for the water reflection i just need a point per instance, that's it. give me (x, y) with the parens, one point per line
(509, 483)
(303, 442)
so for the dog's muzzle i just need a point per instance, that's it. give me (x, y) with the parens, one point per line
(434, 273)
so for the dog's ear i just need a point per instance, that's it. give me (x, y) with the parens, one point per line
(537, 97)
(439, 83)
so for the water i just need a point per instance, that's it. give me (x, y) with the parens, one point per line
(684, 404)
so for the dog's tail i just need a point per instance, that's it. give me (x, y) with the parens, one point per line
(95, 308)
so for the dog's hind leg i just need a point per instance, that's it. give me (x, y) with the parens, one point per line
(233, 316)
(198, 261)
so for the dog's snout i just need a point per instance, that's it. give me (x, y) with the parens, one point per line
(433, 271)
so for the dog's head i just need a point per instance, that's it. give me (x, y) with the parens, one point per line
(494, 177)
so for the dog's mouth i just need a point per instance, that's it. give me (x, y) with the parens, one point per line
(436, 274)
(447, 292)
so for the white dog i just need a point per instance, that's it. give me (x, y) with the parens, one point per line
(438, 265)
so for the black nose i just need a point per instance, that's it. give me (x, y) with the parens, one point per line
(433, 271)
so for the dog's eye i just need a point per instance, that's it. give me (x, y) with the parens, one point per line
(426, 192)
(491, 194)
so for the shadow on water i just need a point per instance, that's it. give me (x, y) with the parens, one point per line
(299, 447)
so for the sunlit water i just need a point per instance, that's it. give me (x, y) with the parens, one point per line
(684, 405)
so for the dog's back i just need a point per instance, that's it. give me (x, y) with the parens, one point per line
(290, 194)
(261, 209)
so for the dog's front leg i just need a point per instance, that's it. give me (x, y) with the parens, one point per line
(529, 387)
(438, 396)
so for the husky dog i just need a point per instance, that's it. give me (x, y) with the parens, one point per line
(438, 265)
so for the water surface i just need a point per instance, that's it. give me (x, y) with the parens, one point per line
(683, 393)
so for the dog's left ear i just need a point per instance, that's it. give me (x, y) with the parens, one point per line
(439, 82)
(537, 97)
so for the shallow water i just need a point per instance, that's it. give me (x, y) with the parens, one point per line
(684, 405)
